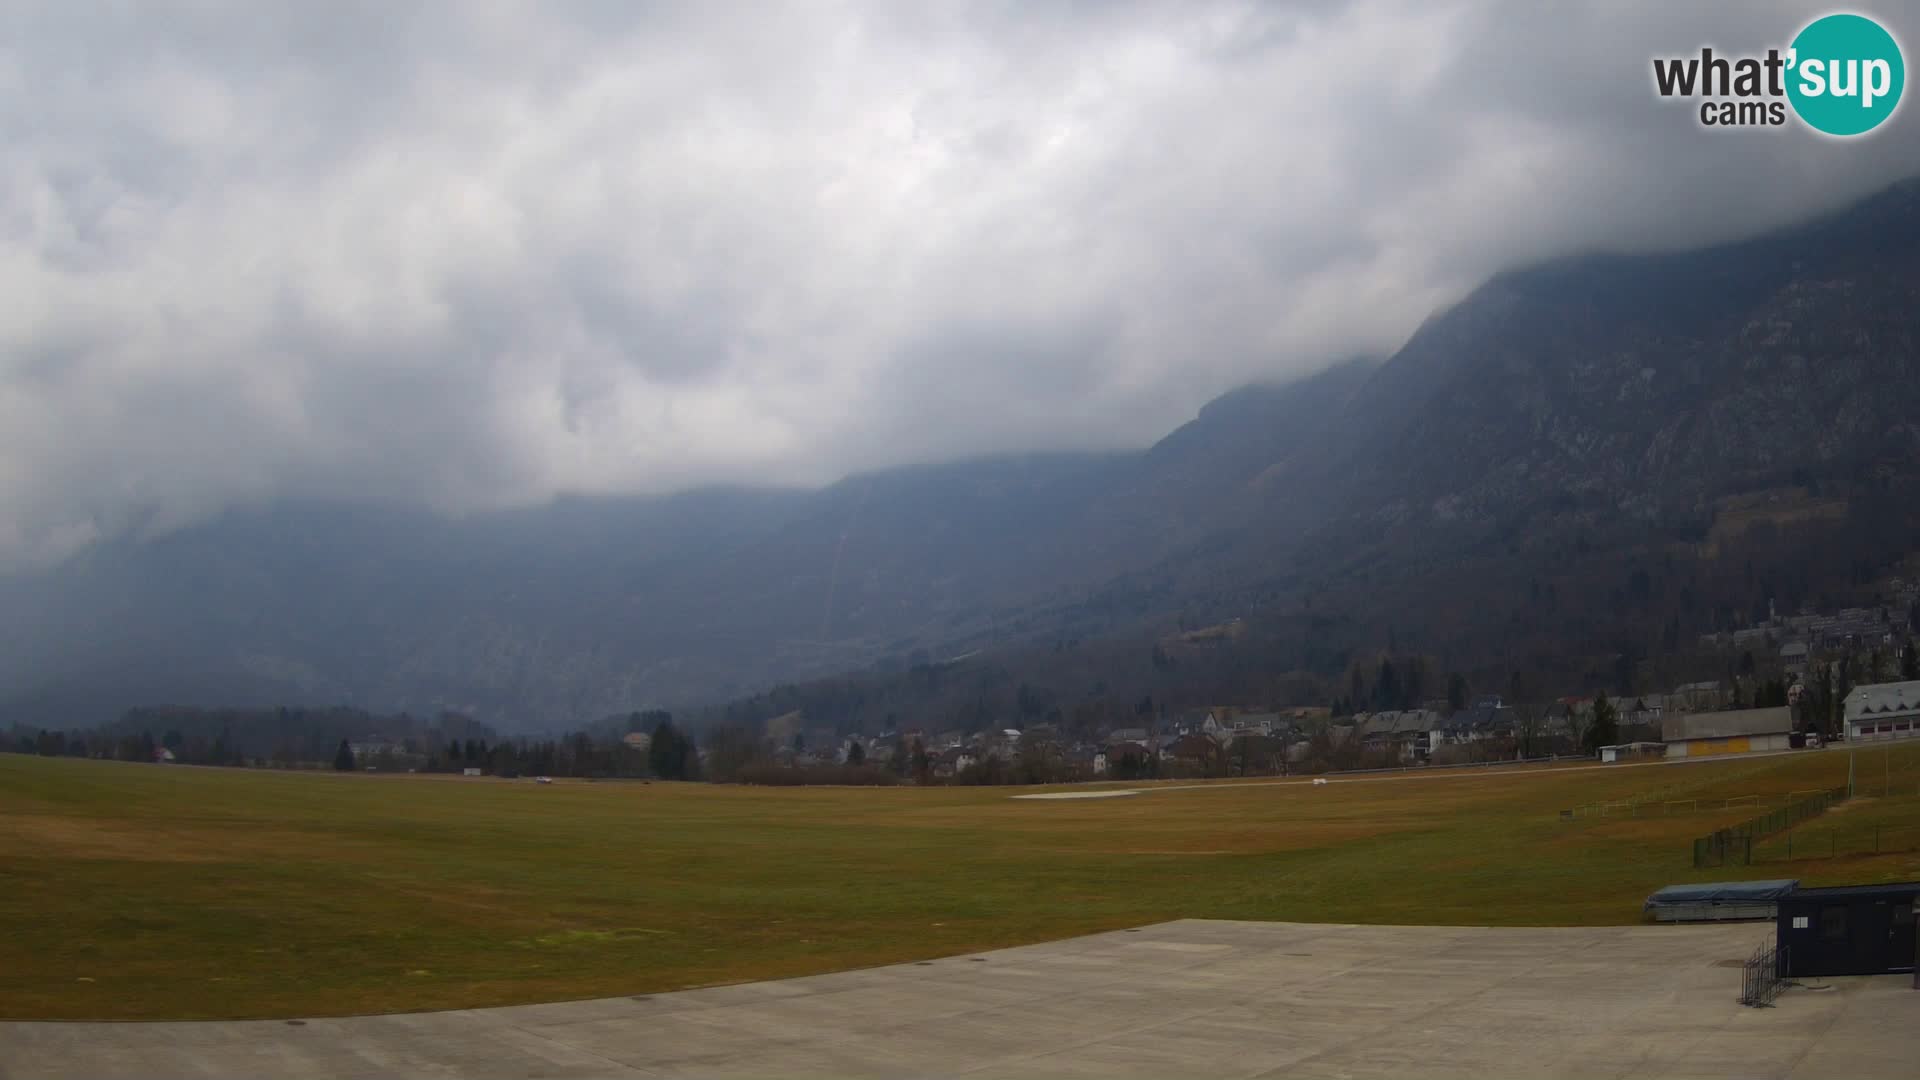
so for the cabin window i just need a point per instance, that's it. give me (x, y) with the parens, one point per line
(1833, 924)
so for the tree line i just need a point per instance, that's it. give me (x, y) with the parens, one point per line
(352, 739)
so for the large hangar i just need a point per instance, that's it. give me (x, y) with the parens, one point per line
(1741, 731)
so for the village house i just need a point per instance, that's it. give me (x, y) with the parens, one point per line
(1134, 754)
(1415, 732)
(1369, 731)
(1793, 656)
(1253, 752)
(1558, 729)
(953, 759)
(1636, 721)
(1489, 718)
(1376, 731)
(1266, 723)
(367, 746)
(1696, 697)
(1193, 748)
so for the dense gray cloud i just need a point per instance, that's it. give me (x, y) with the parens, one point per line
(471, 255)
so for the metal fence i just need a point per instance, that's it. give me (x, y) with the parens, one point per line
(1735, 843)
(1657, 806)
(1763, 976)
(1856, 839)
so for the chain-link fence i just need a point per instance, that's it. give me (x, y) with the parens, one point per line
(1851, 838)
(1735, 843)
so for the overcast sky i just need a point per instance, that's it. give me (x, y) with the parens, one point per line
(473, 254)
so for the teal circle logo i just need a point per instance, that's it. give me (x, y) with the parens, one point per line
(1846, 74)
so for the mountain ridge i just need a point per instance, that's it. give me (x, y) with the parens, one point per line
(1602, 400)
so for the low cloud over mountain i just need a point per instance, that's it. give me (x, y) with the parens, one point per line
(459, 256)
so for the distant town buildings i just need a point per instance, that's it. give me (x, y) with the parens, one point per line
(1796, 636)
(372, 746)
(1693, 719)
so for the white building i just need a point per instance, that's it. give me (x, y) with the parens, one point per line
(1883, 711)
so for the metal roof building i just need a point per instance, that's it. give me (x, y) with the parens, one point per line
(1740, 731)
(1883, 711)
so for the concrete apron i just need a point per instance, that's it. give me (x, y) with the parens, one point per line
(1187, 998)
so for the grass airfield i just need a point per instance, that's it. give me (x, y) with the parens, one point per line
(145, 892)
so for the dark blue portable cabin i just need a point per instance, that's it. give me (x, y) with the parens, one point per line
(1849, 930)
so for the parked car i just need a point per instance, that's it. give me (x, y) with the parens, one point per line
(543, 779)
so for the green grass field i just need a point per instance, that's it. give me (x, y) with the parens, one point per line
(133, 891)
